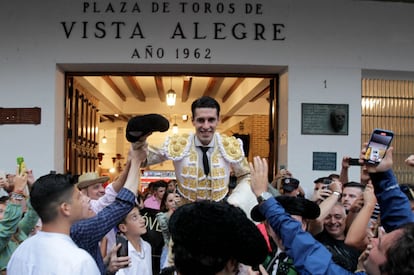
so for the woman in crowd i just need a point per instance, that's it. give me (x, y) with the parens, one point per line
(168, 206)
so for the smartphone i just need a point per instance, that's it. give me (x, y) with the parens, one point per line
(353, 162)
(326, 183)
(123, 250)
(378, 144)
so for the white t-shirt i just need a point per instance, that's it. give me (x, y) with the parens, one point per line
(141, 262)
(51, 253)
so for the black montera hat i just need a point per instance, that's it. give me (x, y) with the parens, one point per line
(294, 206)
(213, 232)
(139, 126)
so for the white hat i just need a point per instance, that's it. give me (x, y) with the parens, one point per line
(89, 179)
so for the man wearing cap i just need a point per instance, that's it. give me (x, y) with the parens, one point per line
(91, 185)
(290, 187)
(300, 209)
(203, 160)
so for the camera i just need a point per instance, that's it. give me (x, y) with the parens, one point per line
(326, 183)
(354, 162)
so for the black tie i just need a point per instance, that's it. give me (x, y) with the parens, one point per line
(205, 160)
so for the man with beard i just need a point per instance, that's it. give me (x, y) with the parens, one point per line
(350, 193)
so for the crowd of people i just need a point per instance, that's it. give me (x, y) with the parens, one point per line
(220, 216)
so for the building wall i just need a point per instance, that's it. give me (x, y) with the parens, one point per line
(256, 127)
(325, 47)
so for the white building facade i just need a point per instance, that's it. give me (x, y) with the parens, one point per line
(324, 47)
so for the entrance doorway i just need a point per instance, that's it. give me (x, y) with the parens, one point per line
(100, 104)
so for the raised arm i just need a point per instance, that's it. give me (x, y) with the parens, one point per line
(343, 176)
(120, 181)
(316, 226)
(136, 157)
(310, 257)
(394, 204)
(357, 233)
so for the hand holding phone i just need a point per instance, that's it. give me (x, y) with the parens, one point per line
(123, 250)
(377, 146)
(326, 183)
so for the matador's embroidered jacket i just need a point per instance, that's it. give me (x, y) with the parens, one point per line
(193, 184)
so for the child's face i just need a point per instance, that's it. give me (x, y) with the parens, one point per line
(135, 223)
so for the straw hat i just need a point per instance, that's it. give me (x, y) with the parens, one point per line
(90, 178)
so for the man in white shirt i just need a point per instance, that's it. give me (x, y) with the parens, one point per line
(51, 251)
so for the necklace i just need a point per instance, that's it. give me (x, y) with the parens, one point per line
(141, 254)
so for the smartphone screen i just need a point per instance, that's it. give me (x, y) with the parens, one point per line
(378, 145)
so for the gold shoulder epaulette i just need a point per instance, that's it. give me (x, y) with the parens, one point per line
(177, 144)
(232, 148)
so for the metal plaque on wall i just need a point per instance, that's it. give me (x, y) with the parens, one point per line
(324, 161)
(325, 119)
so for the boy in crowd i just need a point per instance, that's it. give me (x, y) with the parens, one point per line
(51, 251)
(139, 251)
